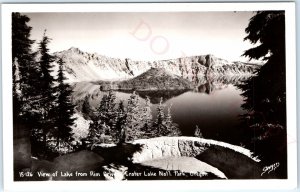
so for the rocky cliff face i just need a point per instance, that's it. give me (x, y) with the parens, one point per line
(82, 66)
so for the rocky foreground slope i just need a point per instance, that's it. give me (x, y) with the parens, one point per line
(148, 159)
(83, 66)
(179, 158)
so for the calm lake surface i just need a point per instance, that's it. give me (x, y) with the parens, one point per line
(216, 112)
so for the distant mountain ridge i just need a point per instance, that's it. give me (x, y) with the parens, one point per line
(83, 66)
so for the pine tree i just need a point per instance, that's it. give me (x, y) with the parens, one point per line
(46, 65)
(168, 123)
(269, 100)
(105, 121)
(64, 109)
(26, 76)
(265, 93)
(102, 109)
(107, 113)
(121, 123)
(94, 133)
(16, 93)
(22, 56)
(164, 124)
(86, 108)
(111, 110)
(160, 118)
(197, 132)
(147, 117)
(46, 88)
(98, 126)
(133, 118)
(25, 72)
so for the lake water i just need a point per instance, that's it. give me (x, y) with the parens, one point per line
(216, 114)
(214, 107)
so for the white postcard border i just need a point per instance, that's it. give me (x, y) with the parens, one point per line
(177, 185)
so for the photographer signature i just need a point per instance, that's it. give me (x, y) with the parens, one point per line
(268, 169)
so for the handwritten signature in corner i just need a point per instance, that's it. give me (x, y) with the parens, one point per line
(268, 169)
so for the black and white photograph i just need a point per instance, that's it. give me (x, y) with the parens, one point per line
(149, 95)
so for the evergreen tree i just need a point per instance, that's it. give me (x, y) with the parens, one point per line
(265, 93)
(159, 123)
(102, 109)
(121, 122)
(111, 110)
(267, 28)
(26, 76)
(107, 113)
(25, 72)
(64, 109)
(105, 121)
(168, 123)
(133, 119)
(197, 132)
(97, 127)
(86, 108)
(16, 93)
(46, 88)
(164, 124)
(147, 117)
(94, 132)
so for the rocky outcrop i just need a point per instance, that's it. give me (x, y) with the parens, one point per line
(232, 163)
(197, 155)
(163, 147)
(82, 66)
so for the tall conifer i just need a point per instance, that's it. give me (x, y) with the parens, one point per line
(133, 119)
(25, 71)
(147, 117)
(64, 109)
(45, 87)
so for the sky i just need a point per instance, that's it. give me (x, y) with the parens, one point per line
(146, 36)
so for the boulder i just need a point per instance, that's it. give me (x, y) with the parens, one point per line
(209, 61)
(235, 165)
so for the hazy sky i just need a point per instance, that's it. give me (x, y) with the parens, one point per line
(146, 36)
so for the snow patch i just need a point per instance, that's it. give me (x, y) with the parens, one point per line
(80, 127)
